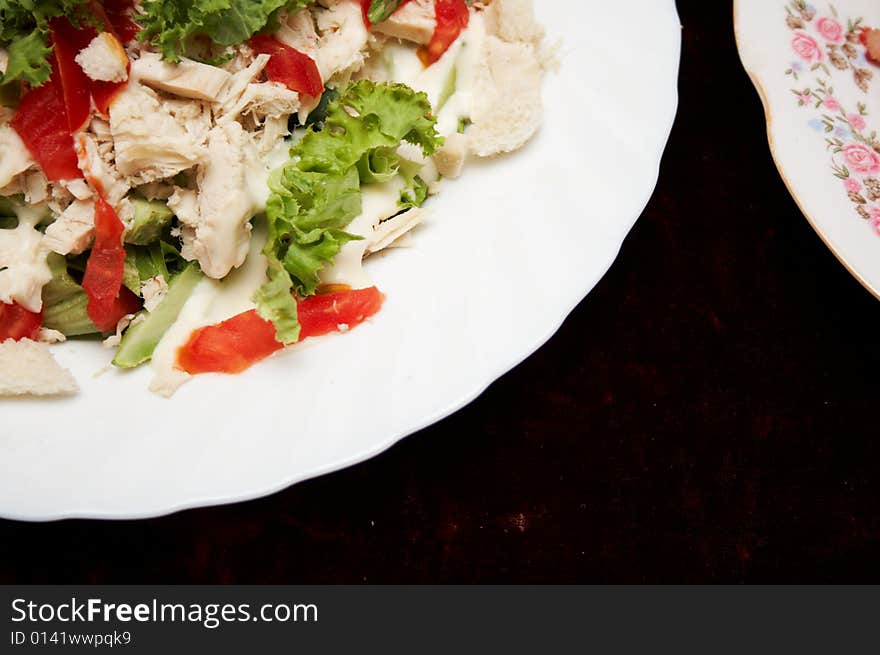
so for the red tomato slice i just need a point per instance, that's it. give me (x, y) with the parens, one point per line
(17, 323)
(41, 122)
(120, 16)
(324, 314)
(67, 42)
(290, 67)
(452, 18)
(229, 347)
(236, 344)
(103, 277)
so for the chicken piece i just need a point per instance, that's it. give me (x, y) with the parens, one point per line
(104, 59)
(188, 79)
(194, 116)
(36, 187)
(297, 30)
(264, 100)
(77, 188)
(236, 86)
(47, 335)
(150, 143)
(185, 205)
(59, 198)
(27, 368)
(513, 21)
(450, 158)
(100, 170)
(243, 96)
(153, 292)
(343, 39)
(4, 61)
(242, 57)
(389, 233)
(73, 231)
(14, 156)
(508, 109)
(23, 267)
(273, 133)
(415, 21)
(221, 226)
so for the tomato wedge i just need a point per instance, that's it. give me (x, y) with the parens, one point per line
(323, 314)
(365, 10)
(17, 323)
(236, 344)
(452, 18)
(67, 42)
(79, 89)
(41, 122)
(120, 17)
(108, 300)
(290, 67)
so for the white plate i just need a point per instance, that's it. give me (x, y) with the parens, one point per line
(822, 100)
(510, 249)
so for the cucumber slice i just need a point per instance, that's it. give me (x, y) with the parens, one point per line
(65, 302)
(151, 217)
(140, 340)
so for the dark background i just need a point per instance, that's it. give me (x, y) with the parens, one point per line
(708, 414)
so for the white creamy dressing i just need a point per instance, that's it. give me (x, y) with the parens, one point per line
(380, 201)
(460, 104)
(462, 60)
(23, 256)
(214, 301)
(258, 170)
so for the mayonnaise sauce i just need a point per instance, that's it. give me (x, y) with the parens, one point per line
(258, 170)
(213, 301)
(380, 201)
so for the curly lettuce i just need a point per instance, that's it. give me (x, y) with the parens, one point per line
(24, 33)
(315, 196)
(171, 24)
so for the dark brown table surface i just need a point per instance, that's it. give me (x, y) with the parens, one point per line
(709, 413)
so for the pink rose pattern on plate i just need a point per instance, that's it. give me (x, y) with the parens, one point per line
(826, 49)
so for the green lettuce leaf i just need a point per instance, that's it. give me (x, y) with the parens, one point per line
(275, 302)
(24, 32)
(385, 115)
(415, 194)
(315, 196)
(378, 166)
(171, 24)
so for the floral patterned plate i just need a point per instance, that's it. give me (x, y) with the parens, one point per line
(822, 99)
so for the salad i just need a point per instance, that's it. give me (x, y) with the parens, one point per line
(198, 182)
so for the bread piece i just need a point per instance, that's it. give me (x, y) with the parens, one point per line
(508, 111)
(513, 20)
(27, 368)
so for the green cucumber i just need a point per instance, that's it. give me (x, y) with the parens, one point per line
(141, 339)
(151, 218)
(448, 88)
(65, 302)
